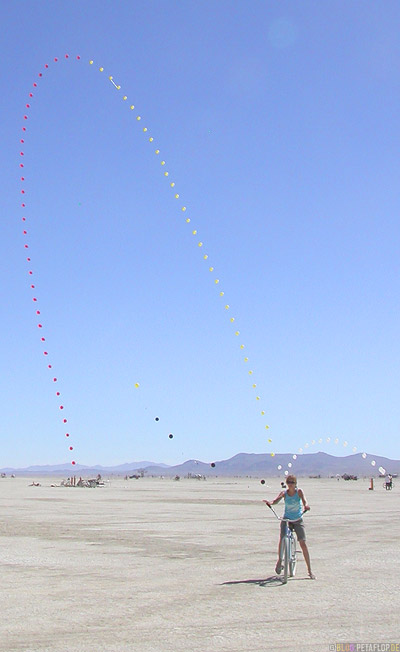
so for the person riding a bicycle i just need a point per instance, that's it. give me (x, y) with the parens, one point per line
(389, 481)
(293, 498)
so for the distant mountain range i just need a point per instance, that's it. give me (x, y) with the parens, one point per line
(244, 464)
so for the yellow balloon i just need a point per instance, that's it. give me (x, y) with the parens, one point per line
(262, 412)
(110, 77)
(176, 196)
(221, 294)
(227, 306)
(166, 174)
(144, 128)
(125, 97)
(246, 359)
(211, 269)
(266, 427)
(172, 184)
(257, 398)
(151, 139)
(162, 162)
(270, 441)
(132, 107)
(157, 151)
(101, 69)
(119, 88)
(91, 62)
(194, 232)
(138, 117)
(137, 385)
(188, 220)
(272, 454)
(242, 346)
(205, 256)
(200, 244)
(237, 333)
(232, 319)
(183, 208)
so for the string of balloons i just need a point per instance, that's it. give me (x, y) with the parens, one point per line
(336, 441)
(184, 211)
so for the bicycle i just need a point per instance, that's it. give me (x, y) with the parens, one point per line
(288, 552)
(388, 486)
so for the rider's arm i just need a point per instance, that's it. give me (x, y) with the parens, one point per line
(276, 500)
(303, 498)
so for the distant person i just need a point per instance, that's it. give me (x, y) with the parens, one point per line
(293, 498)
(389, 481)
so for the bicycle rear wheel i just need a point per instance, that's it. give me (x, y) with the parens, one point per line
(285, 558)
(292, 557)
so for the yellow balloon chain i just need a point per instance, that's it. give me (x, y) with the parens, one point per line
(330, 440)
(184, 211)
(200, 243)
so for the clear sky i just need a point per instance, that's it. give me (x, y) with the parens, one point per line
(279, 124)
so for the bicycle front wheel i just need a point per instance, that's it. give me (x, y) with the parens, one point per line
(292, 556)
(285, 558)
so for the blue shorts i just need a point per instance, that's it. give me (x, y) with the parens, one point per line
(297, 526)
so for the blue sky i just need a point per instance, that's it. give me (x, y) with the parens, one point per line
(278, 123)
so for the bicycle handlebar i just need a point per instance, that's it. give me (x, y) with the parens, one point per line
(280, 518)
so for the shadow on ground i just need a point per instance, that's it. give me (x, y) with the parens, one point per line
(273, 580)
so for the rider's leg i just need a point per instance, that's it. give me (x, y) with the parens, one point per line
(306, 554)
(278, 566)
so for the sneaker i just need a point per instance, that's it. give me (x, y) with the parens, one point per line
(278, 567)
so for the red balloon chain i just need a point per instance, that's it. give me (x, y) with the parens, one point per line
(25, 232)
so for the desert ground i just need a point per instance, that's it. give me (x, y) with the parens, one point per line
(172, 566)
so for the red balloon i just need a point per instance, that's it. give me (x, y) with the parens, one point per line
(55, 59)
(67, 434)
(78, 57)
(49, 366)
(71, 448)
(73, 462)
(40, 326)
(46, 65)
(54, 380)
(61, 407)
(35, 84)
(64, 420)
(38, 312)
(30, 94)
(45, 353)
(43, 339)
(57, 393)
(66, 56)
(28, 106)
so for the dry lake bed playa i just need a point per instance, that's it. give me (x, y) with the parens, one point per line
(176, 566)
